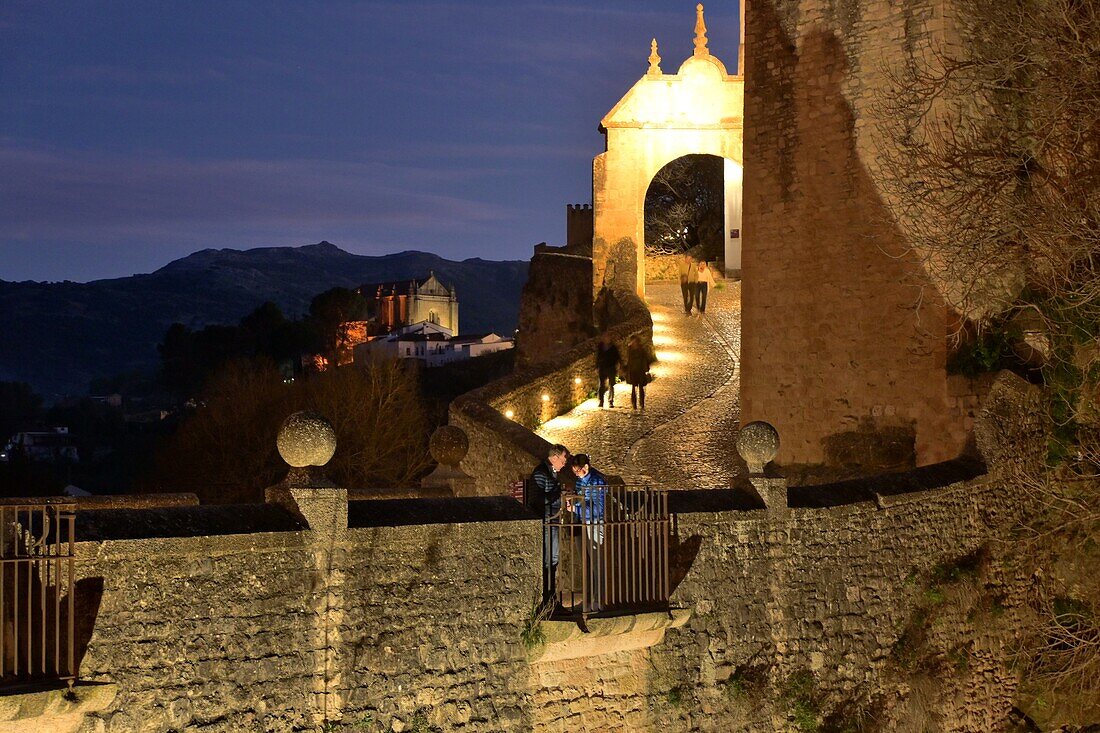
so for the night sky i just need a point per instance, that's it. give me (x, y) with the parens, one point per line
(134, 133)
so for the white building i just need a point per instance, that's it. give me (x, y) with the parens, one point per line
(430, 343)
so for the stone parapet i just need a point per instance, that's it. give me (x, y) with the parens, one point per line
(416, 611)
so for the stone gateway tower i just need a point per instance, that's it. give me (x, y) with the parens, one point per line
(697, 110)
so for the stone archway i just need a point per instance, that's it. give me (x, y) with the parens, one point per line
(697, 110)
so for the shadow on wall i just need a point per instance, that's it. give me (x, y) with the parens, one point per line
(681, 555)
(835, 305)
(87, 597)
(620, 267)
(29, 640)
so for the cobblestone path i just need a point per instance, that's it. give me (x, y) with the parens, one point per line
(685, 436)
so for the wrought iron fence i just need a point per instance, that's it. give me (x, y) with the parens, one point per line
(36, 592)
(613, 557)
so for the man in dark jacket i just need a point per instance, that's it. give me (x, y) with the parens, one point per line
(607, 364)
(546, 494)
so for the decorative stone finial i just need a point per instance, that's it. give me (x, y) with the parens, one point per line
(758, 443)
(700, 32)
(654, 59)
(306, 439)
(449, 445)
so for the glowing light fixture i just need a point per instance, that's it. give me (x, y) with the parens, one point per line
(545, 397)
(509, 414)
(576, 380)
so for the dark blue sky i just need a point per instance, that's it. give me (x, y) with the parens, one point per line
(132, 133)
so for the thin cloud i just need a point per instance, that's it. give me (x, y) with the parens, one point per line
(55, 193)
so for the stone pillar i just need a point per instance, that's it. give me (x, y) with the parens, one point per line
(307, 442)
(758, 444)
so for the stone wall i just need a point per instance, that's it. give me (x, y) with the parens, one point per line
(841, 329)
(555, 312)
(413, 617)
(211, 632)
(433, 623)
(251, 632)
(825, 595)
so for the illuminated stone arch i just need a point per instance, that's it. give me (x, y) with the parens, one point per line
(697, 110)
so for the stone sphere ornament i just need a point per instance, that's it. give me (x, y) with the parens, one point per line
(449, 445)
(758, 443)
(306, 439)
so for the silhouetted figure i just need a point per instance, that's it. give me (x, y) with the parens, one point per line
(607, 364)
(639, 358)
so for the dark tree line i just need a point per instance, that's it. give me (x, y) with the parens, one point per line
(189, 357)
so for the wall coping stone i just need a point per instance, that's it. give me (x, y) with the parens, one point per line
(185, 521)
(134, 501)
(883, 486)
(451, 510)
(690, 501)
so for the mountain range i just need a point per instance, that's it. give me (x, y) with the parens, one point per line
(58, 336)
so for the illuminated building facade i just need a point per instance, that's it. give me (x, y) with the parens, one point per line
(393, 305)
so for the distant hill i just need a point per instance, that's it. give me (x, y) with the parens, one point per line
(59, 336)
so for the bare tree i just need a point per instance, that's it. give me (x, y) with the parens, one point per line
(225, 451)
(685, 206)
(991, 166)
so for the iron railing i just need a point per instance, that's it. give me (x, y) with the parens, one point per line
(36, 592)
(614, 560)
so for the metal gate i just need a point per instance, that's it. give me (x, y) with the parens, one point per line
(36, 591)
(613, 560)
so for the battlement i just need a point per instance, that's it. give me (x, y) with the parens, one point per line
(578, 226)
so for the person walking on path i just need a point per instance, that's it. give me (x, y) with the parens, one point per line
(590, 498)
(546, 499)
(607, 364)
(639, 358)
(704, 281)
(689, 275)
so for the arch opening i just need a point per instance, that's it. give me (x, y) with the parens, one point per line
(693, 206)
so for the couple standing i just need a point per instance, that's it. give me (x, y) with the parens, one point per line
(586, 500)
(695, 282)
